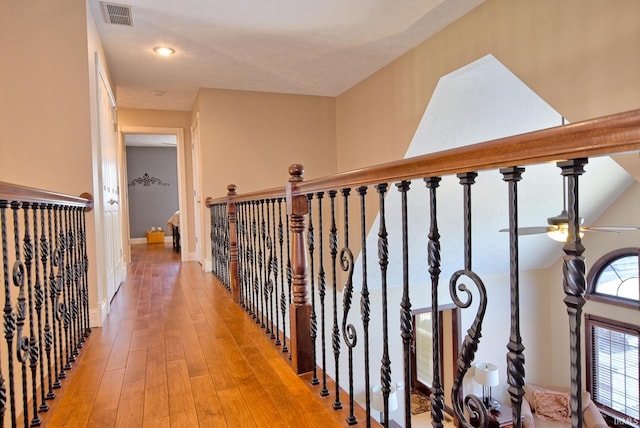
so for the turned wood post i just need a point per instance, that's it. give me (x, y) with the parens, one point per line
(300, 309)
(233, 244)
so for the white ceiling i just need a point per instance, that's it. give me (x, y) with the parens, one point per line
(302, 47)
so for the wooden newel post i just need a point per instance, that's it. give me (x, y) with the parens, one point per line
(233, 243)
(300, 309)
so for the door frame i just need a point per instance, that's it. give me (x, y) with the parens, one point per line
(182, 191)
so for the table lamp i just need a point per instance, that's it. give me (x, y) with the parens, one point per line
(487, 376)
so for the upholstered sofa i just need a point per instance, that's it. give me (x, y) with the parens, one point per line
(541, 408)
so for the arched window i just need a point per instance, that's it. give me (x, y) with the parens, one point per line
(614, 278)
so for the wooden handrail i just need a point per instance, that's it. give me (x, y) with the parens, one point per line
(15, 192)
(617, 133)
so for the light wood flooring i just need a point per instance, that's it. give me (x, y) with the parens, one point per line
(176, 351)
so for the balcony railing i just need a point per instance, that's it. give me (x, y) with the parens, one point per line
(291, 259)
(46, 306)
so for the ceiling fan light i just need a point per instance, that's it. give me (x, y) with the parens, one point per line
(560, 232)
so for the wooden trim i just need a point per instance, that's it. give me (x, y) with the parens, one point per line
(15, 192)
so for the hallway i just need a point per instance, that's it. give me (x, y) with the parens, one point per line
(176, 351)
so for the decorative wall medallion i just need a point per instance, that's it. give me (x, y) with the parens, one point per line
(147, 181)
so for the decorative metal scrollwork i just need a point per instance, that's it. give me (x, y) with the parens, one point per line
(146, 180)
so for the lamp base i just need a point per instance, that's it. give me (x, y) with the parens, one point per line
(491, 404)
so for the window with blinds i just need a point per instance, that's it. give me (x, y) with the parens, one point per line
(612, 367)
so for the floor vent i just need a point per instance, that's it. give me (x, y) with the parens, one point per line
(117, 14)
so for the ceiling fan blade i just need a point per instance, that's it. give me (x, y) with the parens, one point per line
(529, 230)
(614, 229)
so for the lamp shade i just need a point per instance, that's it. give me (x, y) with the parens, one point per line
(487, 374)
(377, 399)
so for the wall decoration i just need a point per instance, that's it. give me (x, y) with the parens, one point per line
(147, 181)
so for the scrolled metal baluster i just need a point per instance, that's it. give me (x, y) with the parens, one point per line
(406, 321)
(289, 269)
(276, 271)
(66, 292)
(241, 249)
(262, 265)
(515, 356)
(383, 260)
(573, 282)
(314, 321)
(59, 307)
(365, 303)
(256, 258)
(9, 320)
(19, 267)
(283, 298)
(322, 288)
(437, 396)
(55, 260)
(349, 334)
(333, 245)
(85, 274)
(473, 404)
(46, 338)
(268, 289)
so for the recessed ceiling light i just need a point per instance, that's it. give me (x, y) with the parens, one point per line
(164, 50)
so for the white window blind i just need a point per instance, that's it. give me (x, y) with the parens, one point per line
(614, 367)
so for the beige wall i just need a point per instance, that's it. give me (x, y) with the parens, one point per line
(582, 57)
(250, 139)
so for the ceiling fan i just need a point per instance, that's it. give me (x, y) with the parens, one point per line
(557, 226)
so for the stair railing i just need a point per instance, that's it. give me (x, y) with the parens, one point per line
(249, 249)
(46, 304)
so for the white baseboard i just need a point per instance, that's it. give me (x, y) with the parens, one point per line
(98, 315)
(137, 241)
(208, 266)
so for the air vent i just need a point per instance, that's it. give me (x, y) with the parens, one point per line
(117, 14)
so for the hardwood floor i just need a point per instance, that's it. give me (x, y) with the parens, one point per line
(176, 351)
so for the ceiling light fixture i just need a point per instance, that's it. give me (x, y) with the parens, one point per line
(164, 50)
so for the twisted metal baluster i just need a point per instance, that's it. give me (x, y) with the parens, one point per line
(85, 273)
(289, 268)
(241, 254)
(59, 307)
(472, 403)
(283, 299)
(406, 324)
(515, 356)
(67, 292)
(31, 344)
(348, 330)
(73, 278)
(573, 282)
(55, 260)
(314, 321)
(251, 257)
(322, 289)
(19, 267)
(437, 396)
(256, 275)
(365, 304)
(9, 322)
(383, 260)
(263, 269)
(269, 283)
(45, 250)
(333, 245)
(276, 271)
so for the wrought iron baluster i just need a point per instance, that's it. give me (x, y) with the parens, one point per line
(40, 297)
(76, 280)
(19, 268)
(276, 271)
(405, 313)
(573, 282)
(283, 298)
(473, 404)
(45, 250)
(73, 278)
(365, 303)
(9, 320)
(241, 251)
(256, 253)
(268, 291)
(289, 269)
(333, 245)
(437, 396)
(59, 307)
(515, 356)
(30, 343)
(53, 287)
(263, 266)
(348, 330)
(66, 293)
(314, 321)
(85, 273)
(322, 288)
(383, 260)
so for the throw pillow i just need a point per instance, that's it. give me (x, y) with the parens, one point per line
(552, 405)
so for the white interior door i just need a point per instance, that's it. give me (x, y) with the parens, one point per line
(110, 198)
(197, 192)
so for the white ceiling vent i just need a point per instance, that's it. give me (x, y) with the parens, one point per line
(117, 14)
